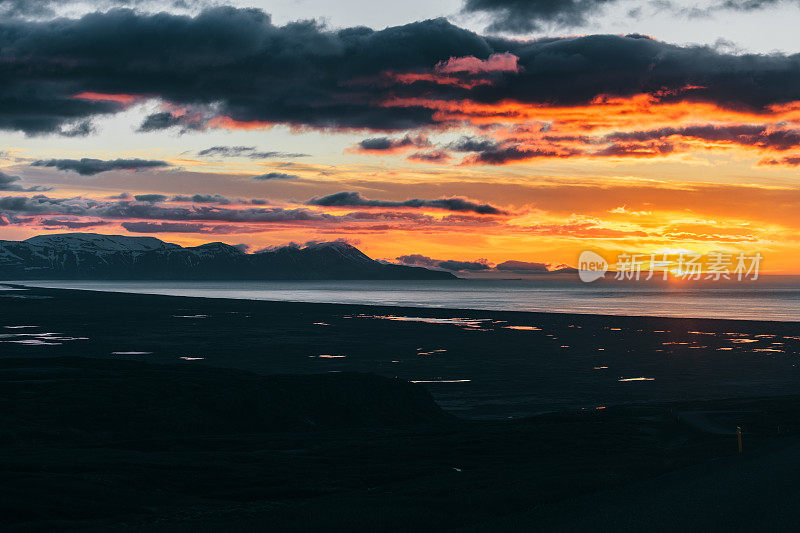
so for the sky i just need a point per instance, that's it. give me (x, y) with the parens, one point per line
(465, 133)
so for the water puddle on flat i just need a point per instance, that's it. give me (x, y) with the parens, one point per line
(468, 322)
(441, 380)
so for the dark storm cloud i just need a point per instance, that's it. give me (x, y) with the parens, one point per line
(44, 205)
(275, 176)
(90, 167)
(523, 16)
(10, 8)
(235, 63)
(697, 11)
(642, 143)
(206, 213)
(78, 206)
(152, 198)
(522, 266)
(217, 199)
(246, 151)
(501, 155)
(272, 154)
(387, 144)
(571, 71)
(202, 199)
(463, 265)
(41, 205)
(183, 227)
(636, 149)
(381, 144)
(767, 137)
(354, 199)
(162, 121)
(71, 224)
(47, 8)
(472, 144)
(227, 151)
(11, 183)
(748, 5)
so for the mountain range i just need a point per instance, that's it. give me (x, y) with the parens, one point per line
(94, 256)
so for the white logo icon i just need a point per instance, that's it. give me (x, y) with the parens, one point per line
(591, 266)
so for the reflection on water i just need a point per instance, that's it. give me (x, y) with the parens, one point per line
(637, 379)
(35, 342)
(769, 298)
(37, 339)
(431, 352)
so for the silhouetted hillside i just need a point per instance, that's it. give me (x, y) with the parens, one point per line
(93, 256)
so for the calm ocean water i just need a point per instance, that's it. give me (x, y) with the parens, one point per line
(769, 298)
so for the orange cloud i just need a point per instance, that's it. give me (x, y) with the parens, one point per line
(505, 62)
(124, 99)
(640, 126)
(228, 123)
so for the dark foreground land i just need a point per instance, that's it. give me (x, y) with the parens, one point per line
(152, 442)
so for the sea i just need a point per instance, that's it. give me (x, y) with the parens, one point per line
(771, 298)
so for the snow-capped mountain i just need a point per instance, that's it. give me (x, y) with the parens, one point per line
(93, 242)
(93, 256)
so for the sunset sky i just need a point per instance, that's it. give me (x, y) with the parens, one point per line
(479, 131)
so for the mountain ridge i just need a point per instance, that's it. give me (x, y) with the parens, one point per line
(121, 257)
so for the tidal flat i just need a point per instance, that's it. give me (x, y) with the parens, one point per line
(156, 413)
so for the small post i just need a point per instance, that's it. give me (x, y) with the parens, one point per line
(739, 437)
